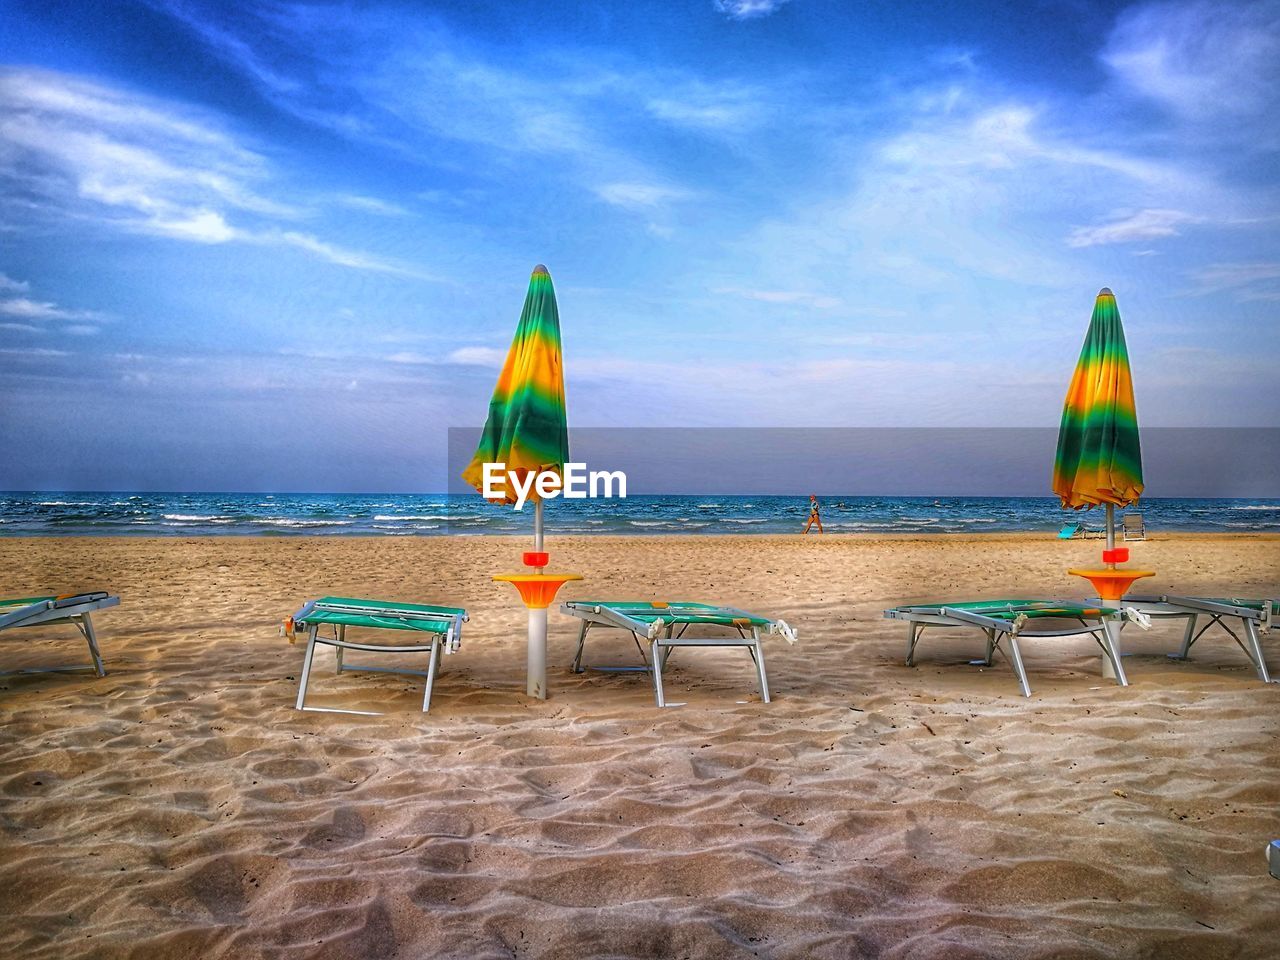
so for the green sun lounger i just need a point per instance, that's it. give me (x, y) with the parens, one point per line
(1254, 619)
(436, 630)
(73, 608)
(1006, 621)
(664, 627)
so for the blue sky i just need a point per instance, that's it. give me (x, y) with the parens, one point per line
(284, 246)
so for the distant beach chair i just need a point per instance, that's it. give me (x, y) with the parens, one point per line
(73, 608)
(1079, 531)
(1005, 621)
(439, 629)
(1255, 619)
(663, 626)
(1133, 527)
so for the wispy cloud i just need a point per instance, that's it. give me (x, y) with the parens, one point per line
(462, 356)
(337, 254)
(370, 205)
(32, 352)
(43, 316)
(640, 196)
(968, 190)
(711, 107)
(147, 166)
(8, 283)
(791, 297)
(1255, 281)
(1142, 225)
(1204, 61)
(436, 96)
(37, 310)
(748, 9)
(477, 356)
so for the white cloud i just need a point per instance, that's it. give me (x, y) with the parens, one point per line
(462, 356)
(1205, 61)
(341, 256)
(1011, 136)
(43, 316)
(716, 108)
(370, 205)
(966, 191)
(198, 226)
(149, 167)
(1142, 225)
(639, 196)
(478, 356)
(8, 283)
(420, 89)
(36, 310)
(799, 297)
(748, 9)
(1221, 275)
(32, 352)
(1257, 281)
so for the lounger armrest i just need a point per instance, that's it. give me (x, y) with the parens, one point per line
(784, 630)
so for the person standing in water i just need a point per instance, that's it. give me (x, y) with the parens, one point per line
(814, 516)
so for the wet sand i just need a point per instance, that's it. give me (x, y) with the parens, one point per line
(179, 806)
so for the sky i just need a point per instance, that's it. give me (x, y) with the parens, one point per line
(283, 246)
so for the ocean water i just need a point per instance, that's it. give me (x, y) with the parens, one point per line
(202, 514)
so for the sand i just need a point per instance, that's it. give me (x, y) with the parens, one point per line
(179, 806)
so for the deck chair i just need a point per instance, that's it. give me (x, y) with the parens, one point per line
(1005, 621)
(1253, 618)
(73, 608)
(438, 629)
(663, 626)
(1071, 531)
(1133, 527)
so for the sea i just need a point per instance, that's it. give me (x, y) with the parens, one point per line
(423, 514)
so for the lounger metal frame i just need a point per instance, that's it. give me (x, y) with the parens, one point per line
(667, 632)
(74, 609)
(1104, 629)
(1254, 624)
(447, 642)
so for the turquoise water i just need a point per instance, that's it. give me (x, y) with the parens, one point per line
(202, 514)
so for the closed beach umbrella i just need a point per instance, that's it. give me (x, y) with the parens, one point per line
(527, 429)
(1099, 460)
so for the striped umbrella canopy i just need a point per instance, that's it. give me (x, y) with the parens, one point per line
(527, 429)
(1099, 459)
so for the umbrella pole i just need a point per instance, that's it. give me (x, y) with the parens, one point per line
(1108, 670)
(536, 671)
(536, 686)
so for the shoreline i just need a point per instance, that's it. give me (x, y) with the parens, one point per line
(1164, 536)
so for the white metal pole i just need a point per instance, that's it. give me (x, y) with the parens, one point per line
(536, 685)
(536, 681)
(1111, 531)
(1108, 670)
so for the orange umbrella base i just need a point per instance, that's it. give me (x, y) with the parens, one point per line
(1112, 584)
(537, 590)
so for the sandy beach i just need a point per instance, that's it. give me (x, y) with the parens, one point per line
(179, 806)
